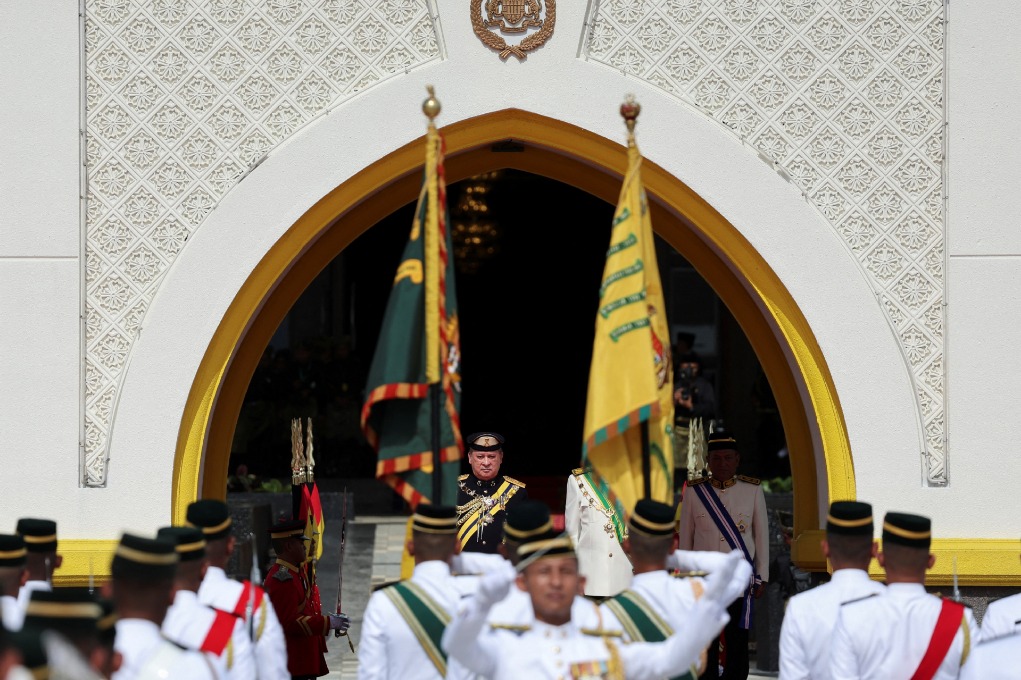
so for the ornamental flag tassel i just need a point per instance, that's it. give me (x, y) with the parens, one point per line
(630, 380)
(419, 347)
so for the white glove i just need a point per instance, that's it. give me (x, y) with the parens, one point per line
(495, 584)
(339, 622)
(719, 585)
(695, 560)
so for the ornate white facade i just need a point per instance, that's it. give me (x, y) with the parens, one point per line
(156, 151)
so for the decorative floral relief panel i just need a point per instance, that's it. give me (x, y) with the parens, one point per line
(182, 97)
(845, 97)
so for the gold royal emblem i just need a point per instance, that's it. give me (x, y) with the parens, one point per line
(513, 17)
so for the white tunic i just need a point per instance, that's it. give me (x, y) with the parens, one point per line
(388, 648)
(546, 652)
(994, 659)
(13, 614)
(147, 654)
(601, 559)
(188, 622)
(219, 592)
(1003, 617)
(809, 621)
(885, 636)
(25, 594)
(747, 507)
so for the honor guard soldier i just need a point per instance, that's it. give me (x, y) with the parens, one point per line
(1002, 617)
(810, 617)
(553, 645)
(194, 625)
(305, 629)
(904, 632)
(484, 495)
(656, 604)
(243, 599)
(13, 574)
(727, 512)
(40, 537)
(404, 622)
(597, 532)
(994, 658)
(74, 615)
(142, 581)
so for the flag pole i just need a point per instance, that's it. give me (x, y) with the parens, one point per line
(431, 108)
(629, 111)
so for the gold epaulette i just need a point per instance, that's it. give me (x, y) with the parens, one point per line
(602, 632)
(462, 478)
(513, 627)
(696, 482)
(750, 480)
(514, 481)
(578, 471)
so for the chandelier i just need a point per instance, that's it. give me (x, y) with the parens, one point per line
(474, 232)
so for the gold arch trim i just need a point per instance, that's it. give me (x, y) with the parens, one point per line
(766, 311)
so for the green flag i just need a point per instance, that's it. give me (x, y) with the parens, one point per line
(419, 346)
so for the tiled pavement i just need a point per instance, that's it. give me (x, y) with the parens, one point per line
(373, 556)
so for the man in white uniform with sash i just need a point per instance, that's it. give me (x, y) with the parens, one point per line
(811, 616)
(905, 632)
(598, 534)
(404, 622)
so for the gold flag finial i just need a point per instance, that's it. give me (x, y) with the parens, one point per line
(431, 106)
(629, 110)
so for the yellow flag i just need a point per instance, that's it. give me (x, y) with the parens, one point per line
(630, 380)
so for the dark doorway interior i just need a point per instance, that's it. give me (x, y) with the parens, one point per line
(530, 255)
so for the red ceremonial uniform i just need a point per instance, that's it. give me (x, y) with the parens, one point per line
(305, 628)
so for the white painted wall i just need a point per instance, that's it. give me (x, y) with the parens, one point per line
(984, 242)
(39, 266)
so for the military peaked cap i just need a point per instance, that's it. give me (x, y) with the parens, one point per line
(40, 534)
(435, 519)
(721, 441)
(913, 531)
(63, 609)
(485, 441)
(289, 528)
(527, 519)
(652, 518)
(12, 551)
(144, 557)
(188, 542)
(850, 518)
(211, 516)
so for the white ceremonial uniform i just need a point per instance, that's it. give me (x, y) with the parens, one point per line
(885, 636)
(219, 592)
(809, 621)
(25, 594)
(1003, 617)
(388, 648)
(589, 523)
(544, 652)
(188, 622)
(469, 563)
(695, 560)
(147, 654)
(13, 614)
(994, 659)
(746, 504)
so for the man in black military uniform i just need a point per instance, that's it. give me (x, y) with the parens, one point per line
(484, 495)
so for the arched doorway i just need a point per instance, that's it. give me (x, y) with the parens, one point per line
(780, 335)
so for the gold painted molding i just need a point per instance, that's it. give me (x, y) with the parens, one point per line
(980, 561)
(82, 557)
(768, 314)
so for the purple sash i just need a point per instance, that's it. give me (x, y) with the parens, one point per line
(725, 523)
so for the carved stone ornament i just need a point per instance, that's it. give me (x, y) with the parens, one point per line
(513, 17)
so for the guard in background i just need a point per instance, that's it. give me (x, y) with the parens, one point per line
(597, 531)
(1002, 618)
(484, 495)
(40, 536)
(13, 574)
(404, 622)
(904, 632)
(811, 616)
(243, 599)
(142, 583)
(74, 615)
(194, 625)
(305, 629)
(722, 513)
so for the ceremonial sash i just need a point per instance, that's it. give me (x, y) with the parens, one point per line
(241, 608)
(618, 525)
(426, 619)
(472, 522)
(219, 633)
(951, 617)
(641, 621)
(725, 523)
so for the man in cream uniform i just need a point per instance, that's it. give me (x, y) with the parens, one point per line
(811, 616)
(736, 503)
(594, 526)
(905, 632)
